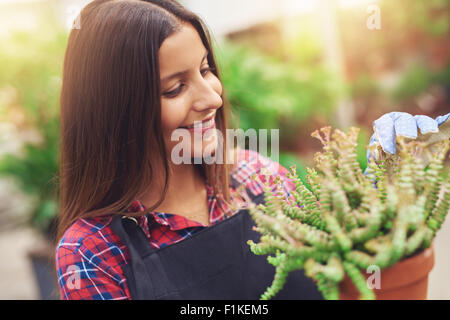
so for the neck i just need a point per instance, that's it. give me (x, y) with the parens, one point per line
(185, 184)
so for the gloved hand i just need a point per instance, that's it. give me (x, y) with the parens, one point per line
(393, 124)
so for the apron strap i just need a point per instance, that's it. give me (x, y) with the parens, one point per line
(135, 240)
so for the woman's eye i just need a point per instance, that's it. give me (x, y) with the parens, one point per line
(173, 93)
(206, 70)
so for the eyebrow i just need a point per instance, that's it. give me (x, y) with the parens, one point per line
(181, 73)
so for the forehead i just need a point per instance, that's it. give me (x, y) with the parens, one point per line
(180, 51)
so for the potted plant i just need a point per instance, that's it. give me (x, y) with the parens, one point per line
(348, 224)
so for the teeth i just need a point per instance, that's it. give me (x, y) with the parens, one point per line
(199, 124)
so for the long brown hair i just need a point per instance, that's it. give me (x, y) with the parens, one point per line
(110, 108)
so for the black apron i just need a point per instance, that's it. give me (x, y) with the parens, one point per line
(214, 263)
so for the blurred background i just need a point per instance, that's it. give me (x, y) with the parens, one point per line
(296, 65)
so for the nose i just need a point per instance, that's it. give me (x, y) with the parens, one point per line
(207, 94)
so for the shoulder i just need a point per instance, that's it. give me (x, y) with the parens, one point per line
(86, 233)
(250, 163)
(89, 244)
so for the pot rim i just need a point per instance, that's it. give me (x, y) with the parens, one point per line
(402, 273)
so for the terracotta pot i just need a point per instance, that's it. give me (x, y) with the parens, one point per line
(405, 280)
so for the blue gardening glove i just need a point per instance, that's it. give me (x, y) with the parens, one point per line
(393, 124)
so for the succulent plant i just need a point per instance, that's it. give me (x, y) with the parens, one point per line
(348, 220)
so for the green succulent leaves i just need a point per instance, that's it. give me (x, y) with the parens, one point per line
(348, 220)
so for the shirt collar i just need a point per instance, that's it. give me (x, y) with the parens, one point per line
(173, 221)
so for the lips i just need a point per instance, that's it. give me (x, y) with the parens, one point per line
(205, 124)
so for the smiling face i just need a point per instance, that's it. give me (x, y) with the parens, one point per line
(190, 91)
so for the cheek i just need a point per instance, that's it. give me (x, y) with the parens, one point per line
(172, 114)
(217, 85)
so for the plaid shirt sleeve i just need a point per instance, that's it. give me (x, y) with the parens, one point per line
(82, 277)
(88, 263)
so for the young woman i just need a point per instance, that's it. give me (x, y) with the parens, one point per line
(133, 224)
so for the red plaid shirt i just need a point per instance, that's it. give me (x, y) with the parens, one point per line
(89, 257)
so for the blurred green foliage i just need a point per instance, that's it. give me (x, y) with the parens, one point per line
(418, 79)
(32, 64)
(364, 86)
(430, 16)
(269, 93)
(35, 172)
(361, 148)
(288, 159)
